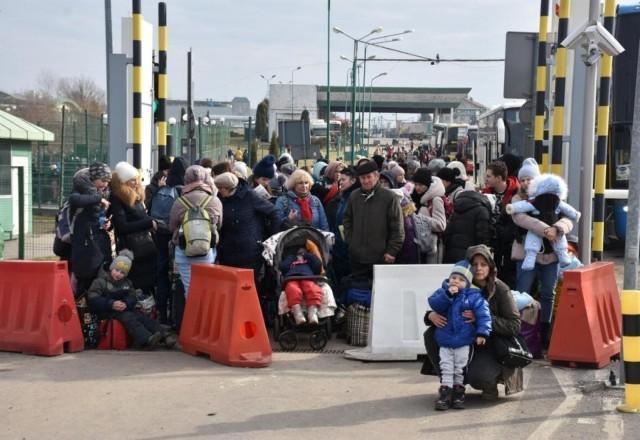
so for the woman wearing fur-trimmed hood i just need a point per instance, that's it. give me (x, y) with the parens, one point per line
(129, 217)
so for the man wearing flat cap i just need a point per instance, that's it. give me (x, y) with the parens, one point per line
(373, 223)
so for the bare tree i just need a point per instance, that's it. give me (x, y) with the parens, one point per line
(84, 92)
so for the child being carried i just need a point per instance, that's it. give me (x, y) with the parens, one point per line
(547, 193)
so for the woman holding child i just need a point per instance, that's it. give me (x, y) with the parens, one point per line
(484, 372)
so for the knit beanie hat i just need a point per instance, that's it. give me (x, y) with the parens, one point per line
(396, 171)
(123, 261)
(423, 176)
(285, 158)
(512, 162)
(448, 174)
(463, 268)
(287, 169)
(529, 168)
(99, 171)
(226, 181)
(125, 171)
(379, 160)
(266, 167)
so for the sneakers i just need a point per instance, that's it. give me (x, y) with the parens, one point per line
(312, 312)
(298, 316)
(444, 400)
(457, 400)
(171, 340)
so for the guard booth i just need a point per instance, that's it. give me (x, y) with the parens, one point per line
(16, 140)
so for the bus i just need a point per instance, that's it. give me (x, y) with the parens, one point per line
(318, 128)
(450, 139)
(500, 131)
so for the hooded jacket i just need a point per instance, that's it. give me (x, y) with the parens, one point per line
(469, 225)
(432, 205)
(104, 291)
(458, 332)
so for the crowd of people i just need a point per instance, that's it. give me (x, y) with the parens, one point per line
(511, 234)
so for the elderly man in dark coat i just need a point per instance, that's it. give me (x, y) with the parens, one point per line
(373, 223)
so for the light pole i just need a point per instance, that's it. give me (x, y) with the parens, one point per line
(370, 93)
(292, 72)
(329, 77)
(268, 80)
(337, 30)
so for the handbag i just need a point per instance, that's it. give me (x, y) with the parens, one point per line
(511, 351)
(141, 244)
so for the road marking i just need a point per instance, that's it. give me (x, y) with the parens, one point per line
(613, 421)
(555, 419)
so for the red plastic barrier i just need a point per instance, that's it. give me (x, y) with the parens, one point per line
(113, 336)
(588, 322)
(38, 314)
(222, 318)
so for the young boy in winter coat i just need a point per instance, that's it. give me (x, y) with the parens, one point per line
(456, 296)
(112, 296)
(547, 193)
(302, 264)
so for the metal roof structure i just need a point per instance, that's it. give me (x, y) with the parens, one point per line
(14, 128)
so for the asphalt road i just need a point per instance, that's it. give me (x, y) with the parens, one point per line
(171, 395)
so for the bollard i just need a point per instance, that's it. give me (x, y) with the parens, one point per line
(631, 350)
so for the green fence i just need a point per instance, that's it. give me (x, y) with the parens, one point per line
(213, 140)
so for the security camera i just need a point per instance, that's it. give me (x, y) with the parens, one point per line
(593, 35)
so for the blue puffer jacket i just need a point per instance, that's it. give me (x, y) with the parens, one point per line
(247, 220)
(458, 332)
(286, 203)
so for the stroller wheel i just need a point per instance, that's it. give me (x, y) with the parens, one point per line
(288, 340)
(318, 339)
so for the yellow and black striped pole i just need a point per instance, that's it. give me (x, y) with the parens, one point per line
(630, 300)
(162, 79)
(558, 104)
(600, 180)
(541, 85)
(137, 84)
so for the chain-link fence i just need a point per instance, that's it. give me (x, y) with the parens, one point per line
(80, 138)
(213, 140)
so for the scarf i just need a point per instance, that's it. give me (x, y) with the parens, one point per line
(305, 208)
(331, 194)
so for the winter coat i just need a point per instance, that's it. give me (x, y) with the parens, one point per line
(468, 226)
(528, 223)
(409, 252)
(335, 217)
(104, 291)
(308, 267)
(129, 216)
(196, 196)
(90, 244)
(152, 188)
(248, 219)
(373, 225)
(432, 206)
(454, 189)
(458, 332)
(285, 203)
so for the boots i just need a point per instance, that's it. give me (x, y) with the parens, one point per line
(312, 312)
(458, 397)
(444, 400)
(298, 316)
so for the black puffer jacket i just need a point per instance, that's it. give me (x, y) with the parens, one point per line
(468, 225)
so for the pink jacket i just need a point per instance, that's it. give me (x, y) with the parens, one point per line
(536, 226)
(436, 215)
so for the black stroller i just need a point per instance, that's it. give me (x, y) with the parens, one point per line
(277, 248)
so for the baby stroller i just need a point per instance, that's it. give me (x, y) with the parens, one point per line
(276, 249)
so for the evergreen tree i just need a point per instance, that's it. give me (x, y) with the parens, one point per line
(305, 115)
(274, 147)
(262, 120)
(253, 157)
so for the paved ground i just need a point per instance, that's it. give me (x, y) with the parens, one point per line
(171, 395)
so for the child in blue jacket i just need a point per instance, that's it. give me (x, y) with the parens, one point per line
(456, 296)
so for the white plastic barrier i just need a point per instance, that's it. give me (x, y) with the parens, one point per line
(398, 304)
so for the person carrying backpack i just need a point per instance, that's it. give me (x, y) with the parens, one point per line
(194, 221)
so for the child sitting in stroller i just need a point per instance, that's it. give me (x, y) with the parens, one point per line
(295, 268)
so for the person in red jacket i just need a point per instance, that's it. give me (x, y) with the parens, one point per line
(503, 187)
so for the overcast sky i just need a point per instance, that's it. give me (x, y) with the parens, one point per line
(234, 41)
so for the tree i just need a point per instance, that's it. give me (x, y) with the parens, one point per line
(305, 115)
(274, 147)
(262, 120)
(84, 92)
(253, 157)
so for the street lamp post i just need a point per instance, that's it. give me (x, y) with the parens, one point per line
(370, 93)
(328, 77)
(268, 80)
(292, 72)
